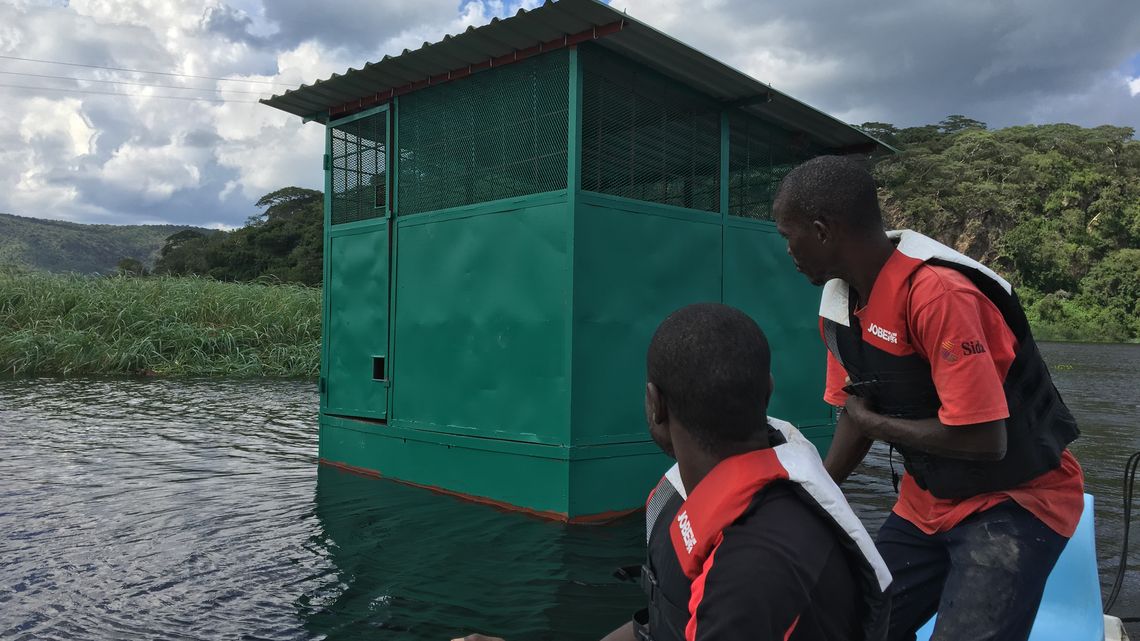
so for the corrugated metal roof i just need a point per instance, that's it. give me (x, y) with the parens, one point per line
(558, 24)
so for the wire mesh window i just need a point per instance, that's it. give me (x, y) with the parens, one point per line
(646, 137)
(759, 156)
(359, 169)
(497, 134)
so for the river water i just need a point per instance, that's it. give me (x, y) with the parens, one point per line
(182, 509)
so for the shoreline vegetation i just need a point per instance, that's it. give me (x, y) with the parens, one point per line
(73, 325)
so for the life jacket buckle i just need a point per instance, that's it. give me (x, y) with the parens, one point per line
(628, 573)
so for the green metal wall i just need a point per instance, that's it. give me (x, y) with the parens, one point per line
(481, 321)
(760, 279)
(634, 264)
(532, 477)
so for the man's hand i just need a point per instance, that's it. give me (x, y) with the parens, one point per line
(864, 419)
(848, 448)
(975, 442)
(477, 637)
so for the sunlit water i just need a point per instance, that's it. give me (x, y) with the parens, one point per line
(196, 510)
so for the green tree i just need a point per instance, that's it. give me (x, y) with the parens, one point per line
(957, 123)
(925, 134)
(174, 241)
(1044, 259)
(287, 202)
(1115, 281)
(884, 131)
(131, 267)
(283, 242)
(183, 254)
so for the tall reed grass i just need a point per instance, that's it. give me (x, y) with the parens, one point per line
(79, 325)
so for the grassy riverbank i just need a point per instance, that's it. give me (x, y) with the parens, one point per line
(77, 325)
(69, 325)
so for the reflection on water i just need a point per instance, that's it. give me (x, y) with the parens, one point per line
(195, 509)
(425, 566)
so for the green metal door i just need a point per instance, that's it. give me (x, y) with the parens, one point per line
(357, 267)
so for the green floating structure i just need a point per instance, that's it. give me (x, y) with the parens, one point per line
(510, 213)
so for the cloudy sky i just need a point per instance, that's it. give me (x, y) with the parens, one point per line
(70, 152)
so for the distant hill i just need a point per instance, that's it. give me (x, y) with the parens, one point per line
(58, 246)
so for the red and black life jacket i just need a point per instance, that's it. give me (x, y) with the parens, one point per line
(681, 536)
(1039, 424)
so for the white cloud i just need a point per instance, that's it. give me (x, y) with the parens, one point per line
(164, 17)
(311, 61)
(153, 173)
(274, 151)
(60, 123)
(125, 159)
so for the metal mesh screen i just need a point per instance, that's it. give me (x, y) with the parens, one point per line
(646, 137)
(497, 134)
(759, 156)
(359, 169)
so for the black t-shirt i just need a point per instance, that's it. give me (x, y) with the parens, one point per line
(780, 573)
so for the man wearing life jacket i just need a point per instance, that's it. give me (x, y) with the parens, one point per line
(748, 537)
(931, 352)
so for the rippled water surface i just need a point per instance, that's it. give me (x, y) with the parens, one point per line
(196, 510)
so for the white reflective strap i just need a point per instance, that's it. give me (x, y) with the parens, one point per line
(674, 476)
(668, 487)
(915, 245)
(833, 304)
(801, 460)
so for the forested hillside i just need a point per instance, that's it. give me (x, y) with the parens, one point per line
(1054, 208)
(58, 246)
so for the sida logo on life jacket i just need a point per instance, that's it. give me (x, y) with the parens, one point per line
(973, 347)
(952, 351)
(949, 351)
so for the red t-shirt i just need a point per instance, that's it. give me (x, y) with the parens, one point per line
(953, 326)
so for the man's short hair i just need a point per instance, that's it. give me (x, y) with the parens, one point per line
(711, 364)
(834, 189)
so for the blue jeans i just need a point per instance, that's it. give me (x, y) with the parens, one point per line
(984, 577)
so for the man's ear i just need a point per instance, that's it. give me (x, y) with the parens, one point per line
(656, 413)
(822, 230)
